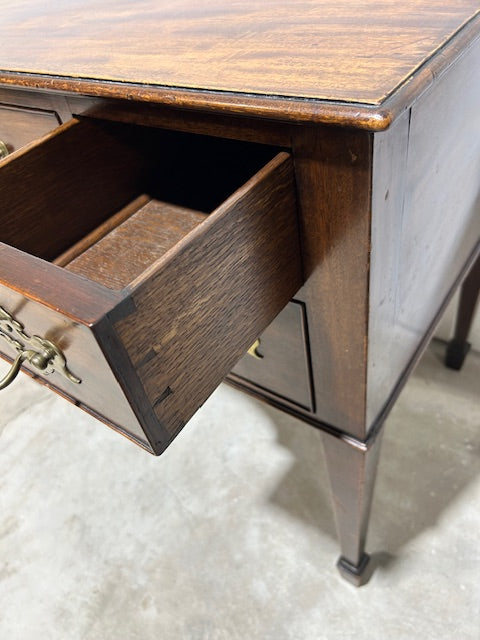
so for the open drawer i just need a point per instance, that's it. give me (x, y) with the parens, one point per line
(150, 260)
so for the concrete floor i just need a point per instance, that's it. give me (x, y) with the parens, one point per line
(229, 535)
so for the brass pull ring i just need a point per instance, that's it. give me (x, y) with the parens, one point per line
(40, 353)
(3, 150)
(13, 373)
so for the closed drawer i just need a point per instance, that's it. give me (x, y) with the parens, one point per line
(150, 259)
(278, 365)
(19, 126)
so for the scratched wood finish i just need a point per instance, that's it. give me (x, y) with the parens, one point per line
(200, 308)
(342, 52)
(132, 246)
(425, 220)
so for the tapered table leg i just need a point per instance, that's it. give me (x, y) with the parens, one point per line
(458, 346)
(352, 470)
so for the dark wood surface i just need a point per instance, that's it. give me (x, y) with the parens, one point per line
(99, 392)
(220, 287)
(458, 347)
(282, 367)
(425, 220)
(19, 126)
(129, 248)
(334, 229)
(358, 52)
(387, 220)
(203, 268)
(49, 301)
(48, 103)
(74, 297)
(352, 471)
(323, 236)
(79, 173)
(87, 242)
(334, 181)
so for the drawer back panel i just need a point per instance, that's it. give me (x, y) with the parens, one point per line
(63, 186)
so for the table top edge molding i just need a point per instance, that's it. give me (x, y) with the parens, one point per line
(369, 117)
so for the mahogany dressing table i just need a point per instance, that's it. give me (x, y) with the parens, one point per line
(185, 182)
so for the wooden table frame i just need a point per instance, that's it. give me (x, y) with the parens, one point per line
(388, 211)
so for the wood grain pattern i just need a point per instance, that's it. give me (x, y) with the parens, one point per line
(170, 336)
(99, 392)
(101, 231)
(77, 176)
(213, 294)
(357, 51)
(189, 121)
(161, 246)
(19, 126)
(333, 169)
(76, 298)
(127, 250)
(52, 302)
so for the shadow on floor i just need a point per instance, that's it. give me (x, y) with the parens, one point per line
(430, 454)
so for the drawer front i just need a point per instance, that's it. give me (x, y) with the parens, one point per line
(278, 364)
(19, 126)
(151, 259)
(98, 392)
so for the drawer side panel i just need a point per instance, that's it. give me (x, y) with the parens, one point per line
(229, 278)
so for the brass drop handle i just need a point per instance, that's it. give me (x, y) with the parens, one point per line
(43, 361)
(3, 150)
(13, 373)
(38, 360)
(41, 353)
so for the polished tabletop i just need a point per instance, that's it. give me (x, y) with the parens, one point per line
(348, 51)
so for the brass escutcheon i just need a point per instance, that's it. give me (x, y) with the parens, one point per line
(41, 353)
(253, 351)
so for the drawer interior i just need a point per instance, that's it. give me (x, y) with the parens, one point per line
(151, 258)
(105, 200)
